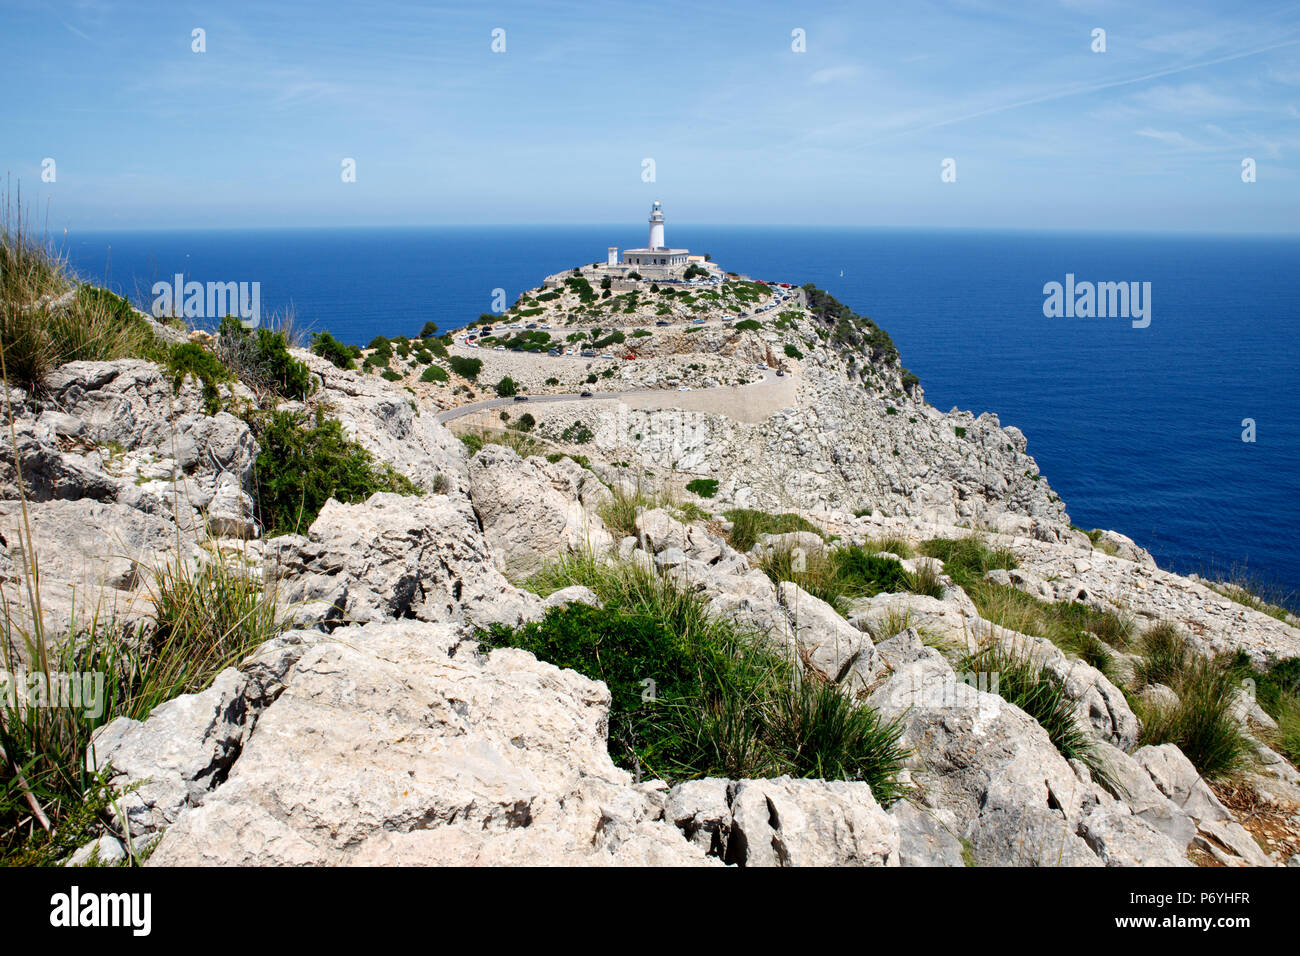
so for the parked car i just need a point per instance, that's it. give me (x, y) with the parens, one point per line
(780, 371)
(585, 395)
(499, 348)
(663, 322)
(588, 353)
(629, 358)
(521, 398)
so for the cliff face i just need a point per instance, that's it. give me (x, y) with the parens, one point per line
(374, 729)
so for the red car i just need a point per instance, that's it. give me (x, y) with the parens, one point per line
(629, 357)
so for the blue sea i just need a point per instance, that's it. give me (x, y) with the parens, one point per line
(1139, 430)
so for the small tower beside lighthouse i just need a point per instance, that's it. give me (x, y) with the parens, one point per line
(657, 227)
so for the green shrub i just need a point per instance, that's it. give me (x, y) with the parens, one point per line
(526, 423)
(694, 697)
(191, 358)
(792, 352)
(303, 464)
(747, 325)
(260, 358)
(434, 373)
(704, 487)
(330, 348)
(967, 560)
(507, 387)
(390, 375)
(577, 434)
(466, 368)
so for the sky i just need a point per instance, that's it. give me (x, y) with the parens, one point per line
(741, 125)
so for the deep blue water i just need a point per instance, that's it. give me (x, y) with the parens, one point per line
(1137, 429)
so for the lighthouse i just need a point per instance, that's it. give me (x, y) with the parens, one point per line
(656, 259)
(656, 227)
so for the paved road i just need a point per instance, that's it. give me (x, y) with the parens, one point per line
(746, 403)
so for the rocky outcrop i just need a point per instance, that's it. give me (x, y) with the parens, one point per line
(532, 511)
(398, 743)
(396, 556)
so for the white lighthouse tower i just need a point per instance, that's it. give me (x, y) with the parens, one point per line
(657, 227)
(656, 259)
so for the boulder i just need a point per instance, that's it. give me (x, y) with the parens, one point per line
(926, 836)
(397, 744)
(526, 519)
(785, 822)
(397, 556)
(1011, 793)
(1121, 838)
(822, 639)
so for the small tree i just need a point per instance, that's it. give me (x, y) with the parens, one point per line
(507, 387)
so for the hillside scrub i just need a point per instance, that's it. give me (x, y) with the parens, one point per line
(330, 348)
(747, 525)
(260, 358)
(721, 703)
(303, 463)
(842, 575)
(203, 617)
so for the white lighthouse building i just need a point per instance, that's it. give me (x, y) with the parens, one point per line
(656, 256)
(656, 226)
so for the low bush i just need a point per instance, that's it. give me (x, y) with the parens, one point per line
(466, 368)
(1202, 724)
(303, 463)
(260, 358)
(191, 358)
(695, 697)
(577, 433)
(330, 348)
(967, 560)
(704, 487)
(434, 373)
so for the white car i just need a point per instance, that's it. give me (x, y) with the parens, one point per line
(684, 388)
(499, 348)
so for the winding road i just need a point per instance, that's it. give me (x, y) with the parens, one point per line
(744, 403)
